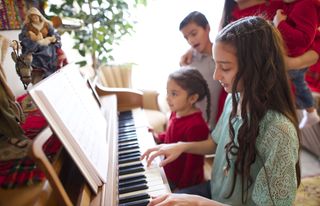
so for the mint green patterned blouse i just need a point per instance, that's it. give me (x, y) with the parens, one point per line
(278, 147)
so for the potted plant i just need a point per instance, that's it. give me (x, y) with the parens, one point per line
(104, 24)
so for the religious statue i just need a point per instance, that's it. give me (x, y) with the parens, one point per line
(11, 114)
(39, 38)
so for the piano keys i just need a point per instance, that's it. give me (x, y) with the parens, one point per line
(137, 183)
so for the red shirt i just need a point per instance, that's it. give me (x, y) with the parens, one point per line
(266, 10)
(187, 169)
(300, 28)
(313, 73)
(308, 12)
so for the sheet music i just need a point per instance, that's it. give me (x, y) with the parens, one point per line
(80, 114)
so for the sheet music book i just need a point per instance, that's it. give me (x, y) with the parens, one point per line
(70, 108)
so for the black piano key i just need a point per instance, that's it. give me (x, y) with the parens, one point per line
(127, 140)
(131, 166)
(126, 124)
(121, 144)
(131, 170)
(128, 154)
(133, 188)
(132, 198)
(125, 121)
(129, 151)
(125, 113)
(132, 182)
(135, 177)
(133, 135)
(126, 129)
(128, 147)
(129, 159)
(127, 134)
(128, 144)
(136, 203)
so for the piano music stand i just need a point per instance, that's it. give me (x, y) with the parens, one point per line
(59, 194)
(37, 153)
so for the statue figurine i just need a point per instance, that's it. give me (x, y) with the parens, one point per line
(11, 114)
(39, 38)
(23, 64)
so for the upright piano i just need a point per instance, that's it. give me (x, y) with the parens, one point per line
(129, 181)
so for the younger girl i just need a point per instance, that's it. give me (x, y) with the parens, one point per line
(185, 87)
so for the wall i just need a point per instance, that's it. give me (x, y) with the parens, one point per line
(9, 66)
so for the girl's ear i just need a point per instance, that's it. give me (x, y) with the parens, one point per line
(193, 98)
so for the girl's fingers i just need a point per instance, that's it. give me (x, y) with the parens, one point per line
(153, 156)
(158, 200)
(146, 154)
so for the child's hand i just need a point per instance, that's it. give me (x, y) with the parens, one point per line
(155, 135)
(186, 58)
(279, 17)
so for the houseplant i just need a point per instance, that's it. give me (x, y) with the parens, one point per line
(104, 24)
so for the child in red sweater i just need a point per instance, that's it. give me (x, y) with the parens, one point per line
(185, 88)
(298, 23)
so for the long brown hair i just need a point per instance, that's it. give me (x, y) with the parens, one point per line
(262, 68)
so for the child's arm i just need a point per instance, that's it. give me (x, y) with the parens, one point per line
(158, 138)
(299, 27)
(305, 60)
(186, 58)
(279, 17)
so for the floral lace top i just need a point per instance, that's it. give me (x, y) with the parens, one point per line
(277, 144)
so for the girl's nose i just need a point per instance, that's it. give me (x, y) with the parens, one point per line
(216, 74)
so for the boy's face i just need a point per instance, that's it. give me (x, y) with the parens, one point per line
(197, 37)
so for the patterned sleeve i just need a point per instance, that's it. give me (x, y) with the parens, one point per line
(279, 152)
